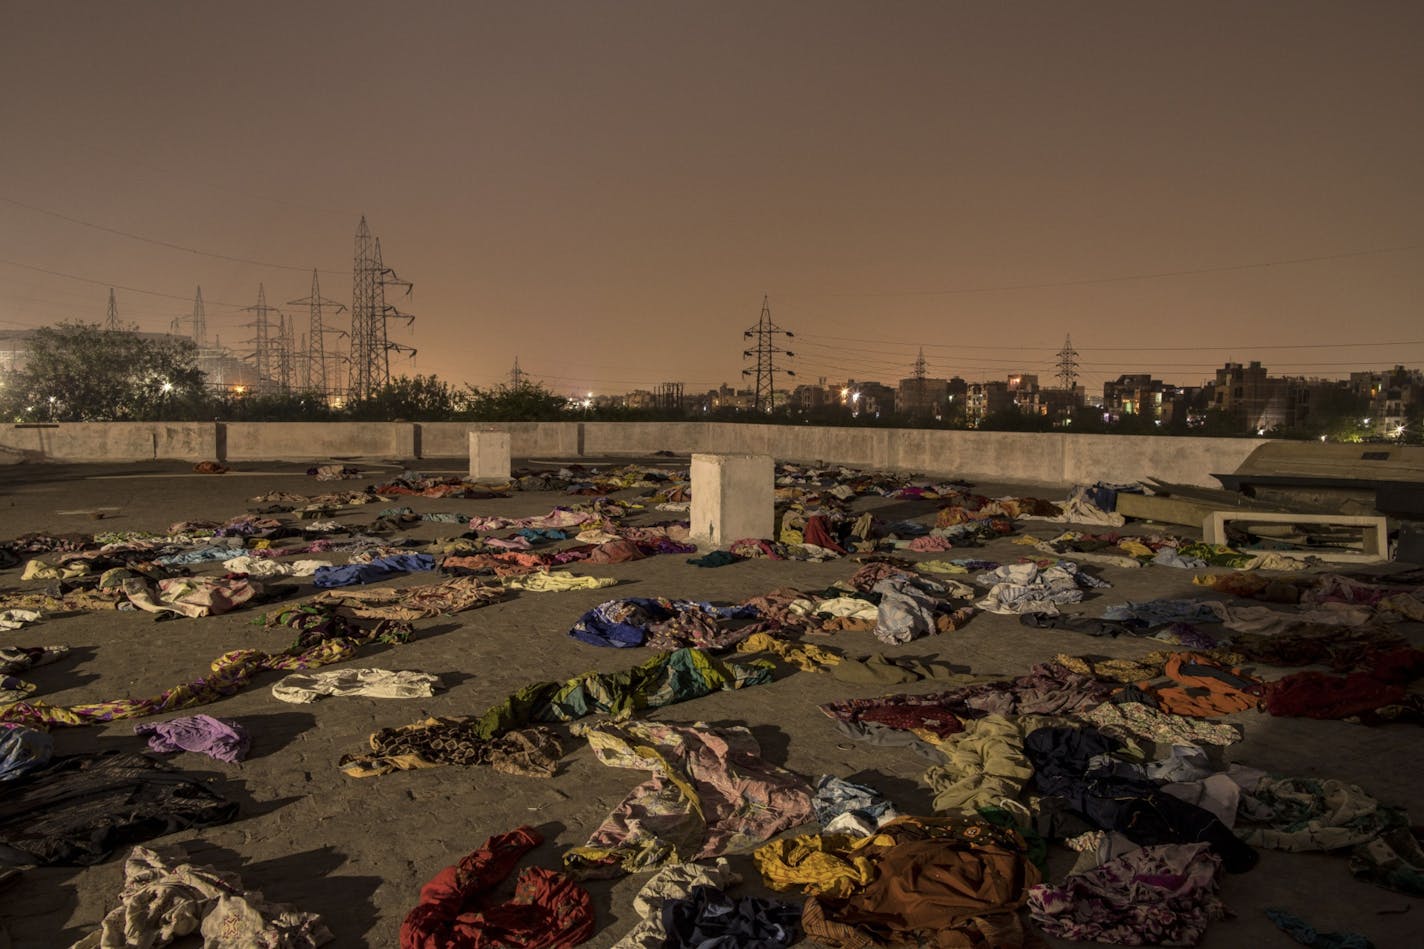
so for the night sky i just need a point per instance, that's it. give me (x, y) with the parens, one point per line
(606, 189)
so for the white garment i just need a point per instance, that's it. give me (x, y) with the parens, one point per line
(303, 687)
(268, 567)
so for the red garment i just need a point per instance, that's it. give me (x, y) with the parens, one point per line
(817, 531)
(458, 908)
(928, 718)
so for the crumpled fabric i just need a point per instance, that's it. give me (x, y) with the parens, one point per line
(1307, 935)
(671, 883)
(407, 604)
(818, 864)
(1026, 587)
(266, 567)
(1393, 860)
(844, 807)
(1138, 720)
(1158, 895)
(435, 742)
(665, 679)
(23, 750)
(18, 618)
(710, 793)
(708, 918)
(79, 809)
(214, 737)
(907, 609)
(557, 581)
(808, 657)
(162, 901)
(190, 596)
(984, 764)
(458, 907)
(955, 881)
(306, 687)
(1303, 814)
(382, 568)
(634, 621)
(1067, 763)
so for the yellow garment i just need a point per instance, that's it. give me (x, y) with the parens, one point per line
(940, 566)
(808, 657)
(39, 570)
(821, 865)
(556, 582)
(1135, 547)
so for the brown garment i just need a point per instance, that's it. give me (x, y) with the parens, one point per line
(951, 883)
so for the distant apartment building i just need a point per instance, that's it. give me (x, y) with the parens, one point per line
(1393, 396)
(983, 399)
(922, 398)
(1133, 394)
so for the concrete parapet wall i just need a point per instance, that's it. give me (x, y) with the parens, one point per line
(1014, 457)
(108, 441)
(299, 441)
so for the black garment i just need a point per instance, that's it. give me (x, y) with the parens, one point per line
(82, 808)
(710, 919)
(1134, 807)
(1084, 624)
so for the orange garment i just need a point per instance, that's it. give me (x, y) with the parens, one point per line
(1206, 688)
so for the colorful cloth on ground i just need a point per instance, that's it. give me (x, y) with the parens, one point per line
(323, 639)
(382, 568)
(1206, 689)
(1300, 814)
(1129, 720)
(305, 687)
(984, 764)
(845, 807)
(191, 596)
(1075, 765)
(1393, 860)
(408, 604)
(818, 864)
(1026, 587)
(531, 752)
(458, 908)
(935, 881)
(660, 622)
(214, 737)
(710, 793)
(557, 582)
(1160, 895)
(808, 657)
(671, 883)
(163, 901)
(665, 679)
(1307, 935)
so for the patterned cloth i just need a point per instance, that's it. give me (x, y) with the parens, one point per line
(163, 901)
(1163, 895)
(710, 793)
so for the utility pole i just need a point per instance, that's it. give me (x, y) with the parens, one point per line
(765, 351)
(261, 357)
(314, 374)
(516, 375)
(1067, 364)
(370, 345)
(111, 324)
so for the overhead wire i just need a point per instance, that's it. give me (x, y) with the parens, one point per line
(160, 243)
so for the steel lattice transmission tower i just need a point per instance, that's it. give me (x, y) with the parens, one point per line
(261, 341)
(313, 369)
(370, 347)
(1068, 364)
(286, 353)
(765, 350)
(111, 322)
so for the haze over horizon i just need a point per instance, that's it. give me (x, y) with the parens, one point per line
(606, 191)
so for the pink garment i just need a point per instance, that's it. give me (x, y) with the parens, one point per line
(214, 737)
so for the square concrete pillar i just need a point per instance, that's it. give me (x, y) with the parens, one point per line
(489, 456)
(732, 498)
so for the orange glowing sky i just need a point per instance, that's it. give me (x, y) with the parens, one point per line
(606, 189)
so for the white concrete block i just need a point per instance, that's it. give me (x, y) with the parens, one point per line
(732, 498)
(489, 456)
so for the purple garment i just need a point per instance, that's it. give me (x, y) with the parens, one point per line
(225, 741)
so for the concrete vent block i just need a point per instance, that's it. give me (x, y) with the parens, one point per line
(732, 498)
(489, 456)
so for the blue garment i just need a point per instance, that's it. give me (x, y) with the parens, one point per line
(198, 555)
(23, 750)
(624, 623)
(836, 796)
(1307, 935)
(382, 568)
(536, 535)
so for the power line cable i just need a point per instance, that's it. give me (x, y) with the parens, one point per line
(1092, 281)
(1134, 349)
(107, 283)
(156, 242)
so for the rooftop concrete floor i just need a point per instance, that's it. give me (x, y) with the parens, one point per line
(358, 851)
